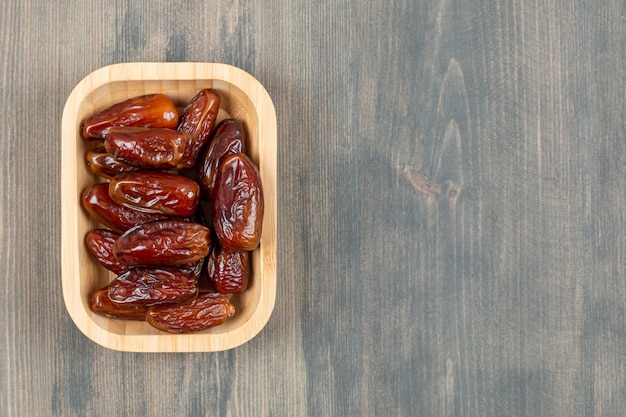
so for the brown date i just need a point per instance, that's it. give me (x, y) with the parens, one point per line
(205, 311)
(100, 303)
(163, 242)
(105, 165)
(192, 268)
(228, 272)
(141, 287)
(148, 147)
(97, 202)
(156, 192)
(228, 139)
(150, 110)
(198, 120)
(238, 204)
(100, 244)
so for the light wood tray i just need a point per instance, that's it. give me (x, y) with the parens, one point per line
(243, 98)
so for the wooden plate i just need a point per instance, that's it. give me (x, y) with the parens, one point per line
(243, 98)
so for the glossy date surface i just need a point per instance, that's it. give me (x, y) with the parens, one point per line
(156, 192)
(238, 204)
(99, 204)
(228, 272)
(148, 147)
(100, 243)
(198, 120)
(163, 242)
(205, 311)
(100, 303)
(228, 139)
(150, 110)
(192, 268)
(141, 287)
(105, 165)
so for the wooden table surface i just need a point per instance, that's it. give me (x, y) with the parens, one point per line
(452, 208)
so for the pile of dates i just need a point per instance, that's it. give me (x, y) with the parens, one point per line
(160, 169)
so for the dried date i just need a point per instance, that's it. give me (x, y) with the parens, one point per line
(141, 287)
(228, 139)
(163, 242)
(228, 272)
(100, 243)
(100, 303)
(192, 268)
(156, 192)
(156, 244)
(205, 311)
(148, 147)
(99, 204)
(238, 204)
(105, 165)
(198, 120)
(150, 110)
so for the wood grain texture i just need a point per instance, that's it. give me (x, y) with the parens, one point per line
(452, 205)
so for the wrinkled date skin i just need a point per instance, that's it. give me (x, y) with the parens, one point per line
(156, 192)
(99, 204)
(141, 287)
(100, 303)
(100, 244)
(105, 165)
(192, 268)
(150, 110)
(238, 204)
(205, 311)
(198, 120)
(148, 147)
(228, 272)
(163, 242)
(228, 139)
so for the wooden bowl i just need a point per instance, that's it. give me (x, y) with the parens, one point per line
(243, 98)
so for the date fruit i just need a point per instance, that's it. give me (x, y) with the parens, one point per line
(105, 165)
(163, 242)
(205, 311)
(192, 268)
(159, 236)
(198, 120)
(100, 303)
(142, 287)
(228, 139)
(238, 204)
(150, 110)
(148, 147)
(97, 202)
(156, 192)
(228, 272)
(100, 244)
